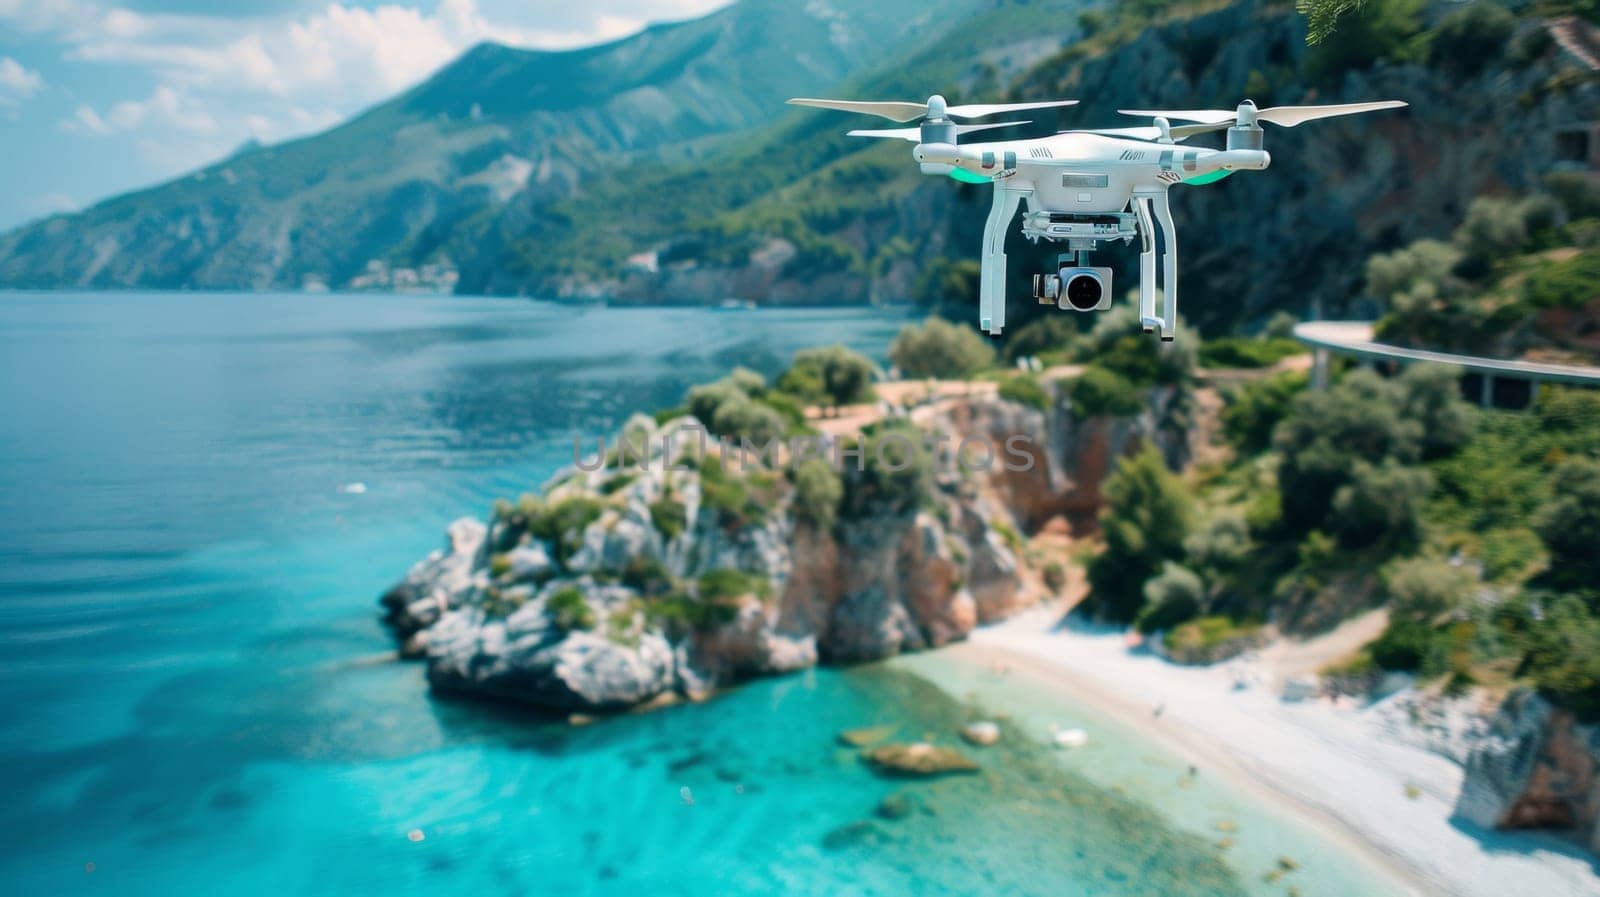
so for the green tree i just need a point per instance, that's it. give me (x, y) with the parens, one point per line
(1118, 343)
(1569, 525)
(745, 418)
(1470, 37)
(1328, 434)
(1422, 589)
(1563, 656)
(1430, 394)
(894, 476)
(1253, 410)
(1147, 515)
(1171, 597)
(833, 375)
(1041, 335)
(817, 492)
(1097, 392)
(1381, 504)
(938, 348)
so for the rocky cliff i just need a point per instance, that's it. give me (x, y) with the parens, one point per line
(669, 572)
(1534, 766)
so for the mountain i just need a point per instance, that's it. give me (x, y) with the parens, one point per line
(815, 216)
(387, 188)
(665, 168)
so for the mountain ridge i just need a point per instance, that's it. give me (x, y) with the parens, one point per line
(390, 182)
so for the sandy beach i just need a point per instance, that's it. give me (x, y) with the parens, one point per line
(1330, 764)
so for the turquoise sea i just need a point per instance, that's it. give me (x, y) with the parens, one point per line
(196, 696)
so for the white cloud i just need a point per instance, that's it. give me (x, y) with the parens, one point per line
(50, 204)
(207, 83)
(166, 110)
(17, 83)
(344, 54)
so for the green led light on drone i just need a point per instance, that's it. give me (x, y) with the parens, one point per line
(1210, 177)
(967, 177)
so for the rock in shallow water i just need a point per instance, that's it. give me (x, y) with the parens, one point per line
(982, 733)
(919, 759)
(865, 736)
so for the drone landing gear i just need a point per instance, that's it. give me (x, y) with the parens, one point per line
(992, 289)
(1167, 323)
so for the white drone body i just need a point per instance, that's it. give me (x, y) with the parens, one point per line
(1084, 187)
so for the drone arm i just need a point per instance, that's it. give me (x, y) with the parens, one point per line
(1147, 264)
(1169, 267)
(992, 282)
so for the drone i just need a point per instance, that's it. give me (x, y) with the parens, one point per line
(1084, 187)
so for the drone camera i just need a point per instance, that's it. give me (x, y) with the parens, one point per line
(1084, 289)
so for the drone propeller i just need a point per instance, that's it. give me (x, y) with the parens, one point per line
(1148, 132)
(915, 134)
(934, 109)
(1247, 113)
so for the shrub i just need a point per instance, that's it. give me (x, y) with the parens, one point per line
(1243, 352)
(1198, 637)
(1171, 597)
(1025, 390)
(1404, 645)
(728, 495)
(727, 584)
(1222, 543)
(680, 614)
(669, 516)
(1493, 227)
(499, 565)
(1253, 410)
(938, 348)
(1566, 284)
(1381, 504)
(563, 525)
(1563, 657)
(704, 400)
(945, 281)
(500, 603)
(1353, 34)
(1118, 343)
(1576, 191)
(1471, 37)
(743, 418)
(1422, 589)
(645, 574)
(1569, 524)
(1147, 515)
(1430, 394)
(1047, 334)
(833, 375)
(1054, 574)
(1099, 392)
(568, 610)
(1327, 433)
(894, 476)
(817, 492)
(1280, 326)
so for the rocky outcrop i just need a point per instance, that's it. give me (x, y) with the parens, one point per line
(663, 576)
(1534, 767)
(625, 584)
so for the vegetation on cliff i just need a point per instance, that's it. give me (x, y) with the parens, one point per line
(1476, 528)
(1518, 276)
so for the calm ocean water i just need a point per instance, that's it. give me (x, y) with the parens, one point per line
(195, 695)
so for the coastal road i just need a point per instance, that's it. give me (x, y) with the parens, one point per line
(1355, 338)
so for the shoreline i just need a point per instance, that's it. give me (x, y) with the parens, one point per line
(1324, 765)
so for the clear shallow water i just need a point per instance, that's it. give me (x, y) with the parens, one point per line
(195, 696)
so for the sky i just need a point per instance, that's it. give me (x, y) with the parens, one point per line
(98, 97)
